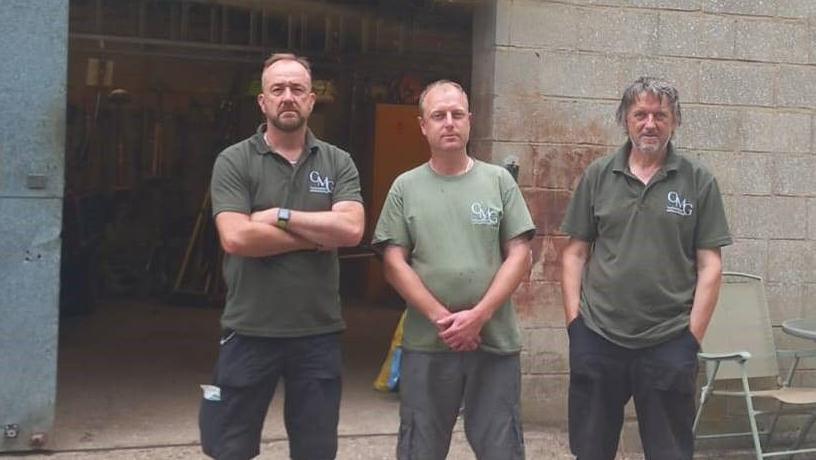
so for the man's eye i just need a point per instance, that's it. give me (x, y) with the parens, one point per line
(277, 91)
(437, 116)
(459, 115)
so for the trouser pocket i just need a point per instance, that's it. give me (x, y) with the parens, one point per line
(211, 426)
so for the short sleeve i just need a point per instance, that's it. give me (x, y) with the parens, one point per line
(229, 186)
(516, 218)
(712, 226)
(347, 185)
(392, 227)
(579, 220)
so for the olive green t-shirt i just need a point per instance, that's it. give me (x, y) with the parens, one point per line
(638, 285)
(293, 294)
(454, 228)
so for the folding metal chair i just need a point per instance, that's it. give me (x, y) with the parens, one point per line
(739, 346)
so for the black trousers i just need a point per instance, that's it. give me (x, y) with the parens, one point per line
(246, 374)
(603, 376)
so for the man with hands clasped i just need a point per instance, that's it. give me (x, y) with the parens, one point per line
(455, 234)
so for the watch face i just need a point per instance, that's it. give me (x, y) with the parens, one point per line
(283, 218)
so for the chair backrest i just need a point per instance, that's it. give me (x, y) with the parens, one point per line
(741, 323)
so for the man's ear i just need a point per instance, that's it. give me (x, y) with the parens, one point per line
(421, 124)
(260, 100)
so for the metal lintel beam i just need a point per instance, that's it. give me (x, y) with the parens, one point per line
(165, 42)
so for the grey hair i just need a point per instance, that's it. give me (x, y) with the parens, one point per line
(436, 84)
(277, 57)
(288, 57)
(655, 86)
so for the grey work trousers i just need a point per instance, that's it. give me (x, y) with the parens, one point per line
(433, 387)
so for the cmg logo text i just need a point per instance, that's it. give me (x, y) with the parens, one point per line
(483, 215)
(320, 184)
(676, 204)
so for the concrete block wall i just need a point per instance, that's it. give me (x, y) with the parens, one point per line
(547, 77)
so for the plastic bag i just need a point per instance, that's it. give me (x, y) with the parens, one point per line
(388, 378)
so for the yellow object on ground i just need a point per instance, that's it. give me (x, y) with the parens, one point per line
(388, 378)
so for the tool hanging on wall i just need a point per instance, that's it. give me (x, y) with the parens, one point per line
(157, 166)
(98, 75)
(201, 260)
(199, 276)
(122, 177)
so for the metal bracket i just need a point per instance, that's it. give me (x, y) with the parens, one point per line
(511, 164)
(11, 430)
(36, 181)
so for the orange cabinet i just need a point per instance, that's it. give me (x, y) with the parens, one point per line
(398, 146)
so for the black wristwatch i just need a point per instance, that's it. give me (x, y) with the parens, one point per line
(283, 218)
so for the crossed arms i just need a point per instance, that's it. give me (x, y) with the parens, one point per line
(256, 235)
(459, 330)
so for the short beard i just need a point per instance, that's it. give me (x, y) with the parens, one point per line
(649, 150)
(289, 126)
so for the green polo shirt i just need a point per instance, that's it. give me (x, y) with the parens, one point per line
(293, 294)
(638, 285)
(454, 228)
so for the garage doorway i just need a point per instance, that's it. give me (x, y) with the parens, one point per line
(156, 88)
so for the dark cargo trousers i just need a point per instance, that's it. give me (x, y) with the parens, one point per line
(246, 374)
(603, 376)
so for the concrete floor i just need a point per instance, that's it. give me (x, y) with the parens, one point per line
(128, 389)
(129, 375)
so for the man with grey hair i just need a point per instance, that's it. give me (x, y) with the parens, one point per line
(640, 279)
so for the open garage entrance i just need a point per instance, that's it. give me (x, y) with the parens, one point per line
(156, 88)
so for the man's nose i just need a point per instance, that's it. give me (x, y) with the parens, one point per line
(448, 118)
(650, 121)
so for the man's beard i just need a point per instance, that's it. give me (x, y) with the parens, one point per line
(649, 148)
(289, 125)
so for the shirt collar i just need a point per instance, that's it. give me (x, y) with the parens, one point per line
(262, 148)
(621, 162)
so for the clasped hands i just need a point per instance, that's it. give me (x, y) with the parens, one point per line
(460, 330)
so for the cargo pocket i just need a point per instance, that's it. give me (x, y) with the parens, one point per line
(405, 443)
(211, 425)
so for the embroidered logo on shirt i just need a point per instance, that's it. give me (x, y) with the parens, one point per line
(483, 215)
(320, 184)
(676, 204)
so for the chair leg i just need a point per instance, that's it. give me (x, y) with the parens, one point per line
(704, 393)
(751, 415)
(803, 432)
(773, 423)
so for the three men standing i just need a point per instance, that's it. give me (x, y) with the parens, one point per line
(640, 278)
(283, 201)
(455, 233)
